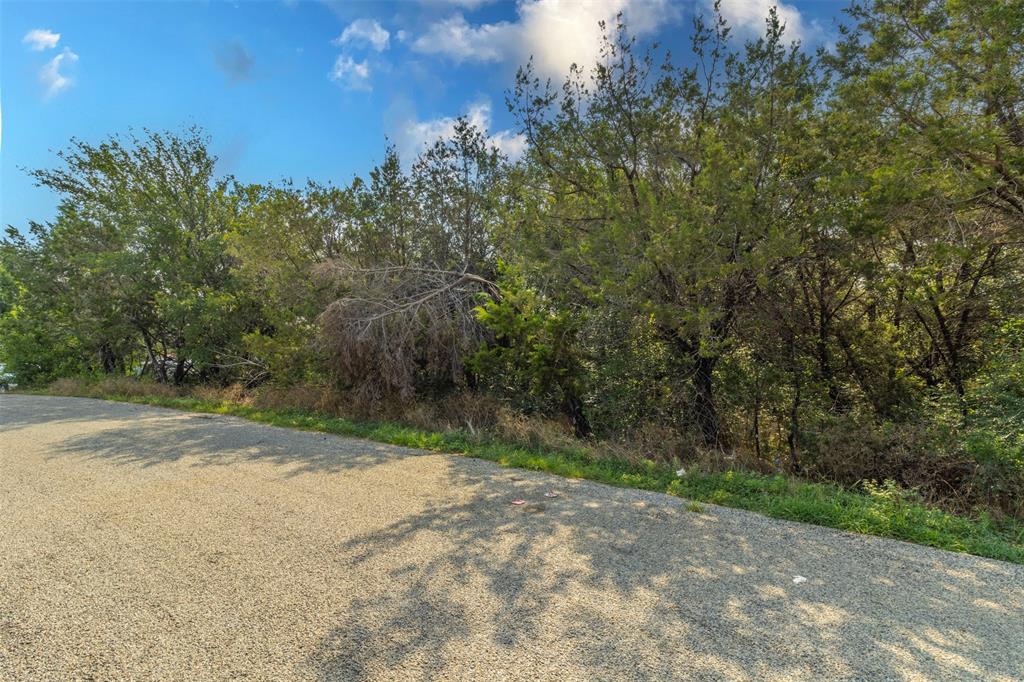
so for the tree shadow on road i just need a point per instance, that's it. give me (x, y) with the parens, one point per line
(19, 411)
(624, 586)
(213, 440)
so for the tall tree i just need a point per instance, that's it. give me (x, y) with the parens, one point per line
(141, 224)
(669, 193)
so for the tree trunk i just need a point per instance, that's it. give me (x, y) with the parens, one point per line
(699, 369)
(705, 413)
(108, 359)
(573, 408)
(837, 401)
(756, 418)
(794, 429)
(159, 369)
(180, 368)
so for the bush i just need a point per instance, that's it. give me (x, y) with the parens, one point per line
(998, 473)
(962, 470)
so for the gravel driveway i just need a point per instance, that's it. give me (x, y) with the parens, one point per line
(142, 543)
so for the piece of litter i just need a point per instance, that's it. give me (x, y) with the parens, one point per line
(551, 493)
(797, 579)
(681, 472)
(518, 502)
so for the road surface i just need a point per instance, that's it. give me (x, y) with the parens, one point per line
(142, 543)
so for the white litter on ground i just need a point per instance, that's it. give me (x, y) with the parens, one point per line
(797, 579)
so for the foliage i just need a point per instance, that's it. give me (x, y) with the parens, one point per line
(134, 267)
(401, 329)
(536, 349)
(775, 260)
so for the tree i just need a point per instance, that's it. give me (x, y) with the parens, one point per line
(280, 239)
(418, 257)
(457, 181)
(941, 81)
(668, 194)
(535, 348)
(138, 249)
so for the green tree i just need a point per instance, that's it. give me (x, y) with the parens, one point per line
(669, 194)
(139, 248)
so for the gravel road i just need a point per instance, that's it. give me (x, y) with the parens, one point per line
(141, 543)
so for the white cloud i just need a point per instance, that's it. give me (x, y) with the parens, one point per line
(364, 32)
(41, 39)
(748, 17)
(51, 75)
(557, 33)
(509, 143)
(415, 136)
(351, 74)
(468, 4)
(454, 37)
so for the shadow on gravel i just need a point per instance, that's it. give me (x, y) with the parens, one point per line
(18, 411)
(221, 441)
(634, 590)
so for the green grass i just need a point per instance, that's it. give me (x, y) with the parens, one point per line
(884, 511)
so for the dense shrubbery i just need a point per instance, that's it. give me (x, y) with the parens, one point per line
(764, 259)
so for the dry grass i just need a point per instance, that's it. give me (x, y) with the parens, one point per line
(846, 455)
(119, 386)
(472, 413)
(303, 397)
(235, 393)
(468, 412)
(534, 431)
(651, 442)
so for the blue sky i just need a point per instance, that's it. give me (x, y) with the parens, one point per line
(297, 89)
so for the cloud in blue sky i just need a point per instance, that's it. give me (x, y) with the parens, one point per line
(747, 17)
(51, 75)
(40, 39)
(364, 32)
(415, 135)
(456, 38)
(367, 34)
(555, 33)
(350, 74)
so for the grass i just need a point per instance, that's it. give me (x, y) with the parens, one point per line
(885, 511)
